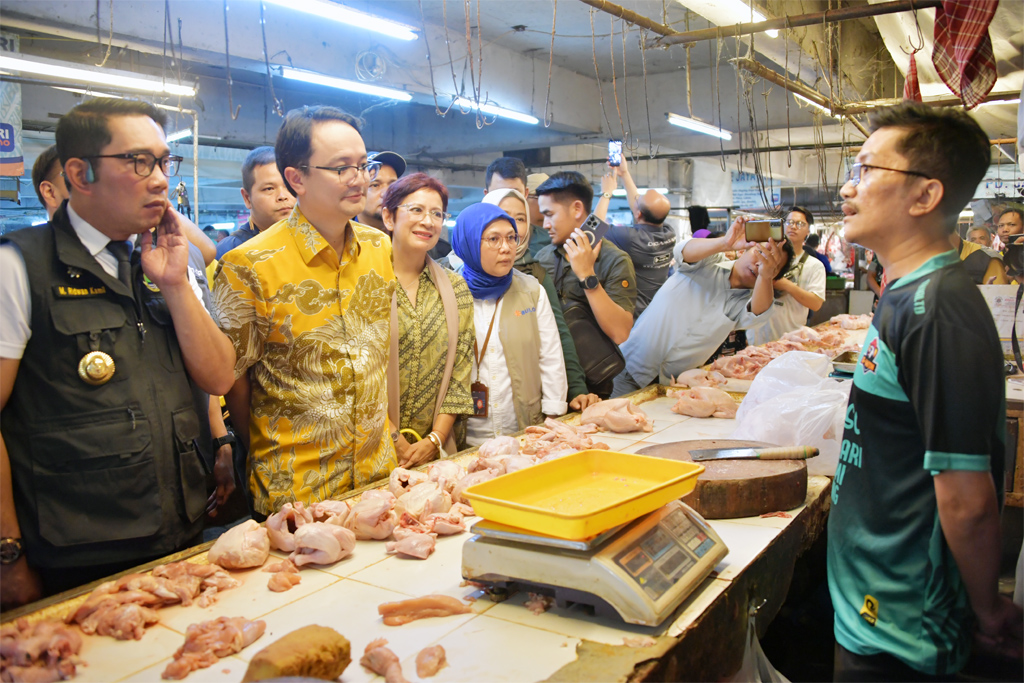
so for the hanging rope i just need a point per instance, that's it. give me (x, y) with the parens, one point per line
(716, 91)
(227, 56)
(430, 64)
(110, 35)
(647, 99)
(278, 109)
(628, 137)
(615, 89)
(551, 61)
(597, 73)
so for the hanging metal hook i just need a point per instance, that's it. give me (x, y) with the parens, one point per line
(920, 35)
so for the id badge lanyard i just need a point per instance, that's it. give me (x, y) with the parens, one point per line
(478, 389)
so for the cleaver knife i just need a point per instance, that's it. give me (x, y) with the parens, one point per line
(781, 453)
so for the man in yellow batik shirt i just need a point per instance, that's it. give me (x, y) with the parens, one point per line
(307, 305)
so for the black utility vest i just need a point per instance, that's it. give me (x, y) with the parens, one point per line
(110, 473)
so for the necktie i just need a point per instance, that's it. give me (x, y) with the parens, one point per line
(122, 251)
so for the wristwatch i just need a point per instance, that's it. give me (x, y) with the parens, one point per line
(10, 550)
(222, 441)
(590, 282)
(606, 195)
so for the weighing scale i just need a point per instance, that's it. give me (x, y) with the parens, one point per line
(639, 572)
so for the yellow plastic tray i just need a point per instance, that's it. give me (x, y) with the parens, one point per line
(583, 494)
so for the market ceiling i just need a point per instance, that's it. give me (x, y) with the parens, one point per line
(598, 78)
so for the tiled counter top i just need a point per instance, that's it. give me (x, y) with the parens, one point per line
(704, 640)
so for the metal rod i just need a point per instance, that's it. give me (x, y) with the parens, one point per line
(828, 17)
(866, 107)
(632, 17)
(796, 87)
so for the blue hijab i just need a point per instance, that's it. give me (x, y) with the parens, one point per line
(466, 239)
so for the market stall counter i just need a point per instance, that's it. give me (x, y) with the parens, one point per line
(703, 640)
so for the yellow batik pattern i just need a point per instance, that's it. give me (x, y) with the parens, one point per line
(312, 333)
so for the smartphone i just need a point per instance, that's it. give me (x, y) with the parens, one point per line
(595, 229)
(614, 152)
(761, 231)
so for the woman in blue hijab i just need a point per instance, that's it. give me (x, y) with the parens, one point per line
(518, 369)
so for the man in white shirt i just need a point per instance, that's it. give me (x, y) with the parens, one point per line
(801, 289)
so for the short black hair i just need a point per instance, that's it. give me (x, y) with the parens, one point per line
(812, 241)
(506, 167)
(944, 144)
(293, 146)
(790, 255)
(1020, 214)
(83, 132)
(43, 168)
(568, 184)
(800, 209)
(261, 156)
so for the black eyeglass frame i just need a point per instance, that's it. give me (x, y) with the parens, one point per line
(164, 162)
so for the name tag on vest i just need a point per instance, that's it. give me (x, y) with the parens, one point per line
(68, 292)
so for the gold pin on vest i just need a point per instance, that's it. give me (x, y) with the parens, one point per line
(96, 368)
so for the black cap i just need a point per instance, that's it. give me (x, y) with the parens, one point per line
(391, 159)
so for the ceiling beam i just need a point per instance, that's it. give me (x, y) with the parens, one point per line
(827, 17)
(631, 16)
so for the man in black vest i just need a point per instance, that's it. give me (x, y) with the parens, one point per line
(103, 347)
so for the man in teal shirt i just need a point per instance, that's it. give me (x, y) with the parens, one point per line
(914, 540)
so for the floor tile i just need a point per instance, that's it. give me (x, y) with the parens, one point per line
(250, 600)
(745, 542)
(226, 670)
(618, 443)
(497, 651)
(350, 608)
(694, 428)
(107, 659)
(366, 554)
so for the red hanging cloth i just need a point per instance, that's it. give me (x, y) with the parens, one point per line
(963, 49)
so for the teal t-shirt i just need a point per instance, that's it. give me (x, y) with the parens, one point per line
(927, 396)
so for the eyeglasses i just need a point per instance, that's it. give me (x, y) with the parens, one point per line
(348, 173)
(495, 241)
(146, 162)
(795, 224)
(857, 170)
(417, 212)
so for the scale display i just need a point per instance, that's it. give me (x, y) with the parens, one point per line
(665, 554)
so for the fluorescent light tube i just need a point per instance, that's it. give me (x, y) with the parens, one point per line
(497, 111)
(117, 79)
(698, 126)
(989, 104)
(344, 84)
(815, 105)
(180, 135)
(345, 15)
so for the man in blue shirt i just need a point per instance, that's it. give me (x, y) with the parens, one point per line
(913, 537)
(264, 194)
(811, 247)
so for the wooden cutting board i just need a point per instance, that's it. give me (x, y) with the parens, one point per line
(738, 488)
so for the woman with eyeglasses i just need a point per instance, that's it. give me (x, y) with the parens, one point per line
(518, 370)
(434, 307)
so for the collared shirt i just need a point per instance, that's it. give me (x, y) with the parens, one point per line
(613, 268)
(312, 332)
(236, 238)
(650, 249)
(790, 314)
(493, 371)
(423, 350)
(689, 317)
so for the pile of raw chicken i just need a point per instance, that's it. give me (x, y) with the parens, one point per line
(830, 339)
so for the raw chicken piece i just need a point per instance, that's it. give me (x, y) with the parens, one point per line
(616, 415)
(496, 462)
(698, 378)
(446, 473)
(777, 348)
(415, 545)
(319, 543)
(221, 580)
(244, 545)
(740, 366)
(852, 322)
(693, 404)
(697, 400)
(330, 511)
(514, 463)
(283, 581)
(833, 337)
(207, 597)
(451, 522)
(123, 622)
(803, 335)
(423, 499)
(282, 525)
(206, 642)
(430, 660)
(96, 601)
(404, 611)
(379, 494)
(371, 517)
(165, 589)
(401, 480)
(381, 660)
(44, 651)
(557, 436)
(286, 566)
(499, 445)
(458, 494)
(539, 604)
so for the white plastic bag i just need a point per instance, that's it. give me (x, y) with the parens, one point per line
(792, 402)
(756, 667)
